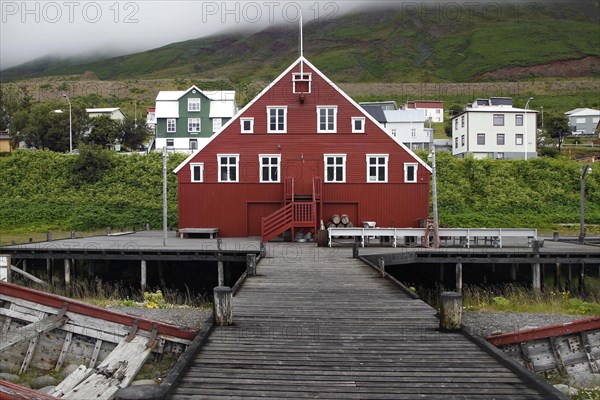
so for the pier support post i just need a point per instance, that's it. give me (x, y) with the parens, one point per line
(251, 264)
(143, 275)
(557, 277)
(355, 249)
(49, 270)
(8, 267)
(537, 276)
(582, 279)
(451, 311)
(381, 267)
(223, 306)
(48, 236)
(263, 249)
(68, 276)
(220, 273)
(25, 265)
(555, 237)
(459, 283)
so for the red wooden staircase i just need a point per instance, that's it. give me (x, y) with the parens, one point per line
(299, 211)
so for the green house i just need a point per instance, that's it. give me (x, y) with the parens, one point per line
(185, 119)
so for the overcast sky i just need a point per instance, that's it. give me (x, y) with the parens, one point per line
(33, 29)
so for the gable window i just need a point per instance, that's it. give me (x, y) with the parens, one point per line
(197, 172)
(335, 167)
(170, 143)
(481, 138)
(217, 123)
(277, 119)
(498, 119)
(269, 167)
(228, 167)
(326, 119)
(500, 139)
(193, 125)
(193, 144)
(519, 120)
(358, 124)
(377, 167)
(519, 139)
(302, 82)
(247, 125)
(410, 172)
(171, 125)
(194, 104)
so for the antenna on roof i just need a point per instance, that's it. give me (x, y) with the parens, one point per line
(301, 49)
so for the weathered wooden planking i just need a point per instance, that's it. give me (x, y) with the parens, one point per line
(71, 381)
(32, 330)
(327, 326)
(116, 371)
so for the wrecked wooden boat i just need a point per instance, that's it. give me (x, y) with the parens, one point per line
(46, 332)
(567, 349)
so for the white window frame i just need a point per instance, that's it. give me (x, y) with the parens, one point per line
(192, 101)
(517, 119)
(362, 126)
(251, 120)
(173, 122)
(498, 116)
(323, 108)
(194, 165)
(237, 167)
(193, 121)
(260, 162)
(415, 173)
(386, 158)
(217, 123)
(284, 130)
(325, 156)
(172, 145)
(517, 137)
(302, 77)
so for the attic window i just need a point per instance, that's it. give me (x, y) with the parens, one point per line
(302, 82)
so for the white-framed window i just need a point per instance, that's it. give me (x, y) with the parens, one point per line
(197, 172)
(194, 125)
(498, 119)
(462, 140)
(519, 120)
(302, 82)
(194, 104)
(500, 139)
(456, 123)
(277, 119)
(377, 168)
(358, 124)
(247, 125)
(481, 138)
(519, 139)
(438, 111)
(229, 166)
(335, 168)
(410, 172)
(171, 125)
(170, 143)
(326, 119)
(217, 124)
(193, 144)
(270, 165)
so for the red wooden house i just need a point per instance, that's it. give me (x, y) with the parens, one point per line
(298, 153)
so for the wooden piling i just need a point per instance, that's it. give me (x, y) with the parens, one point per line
(251, 264)
(582, 279)
(223, 305)
(557, 277)
(355, 249)
(49, 270)
(143, 275)
(8, 268)
(220, 273)
(48, 236)
(25, 265)
(263, 249)
(68, 276)
(381, 267)
(451, 311)
(536, 272)
(459, 283)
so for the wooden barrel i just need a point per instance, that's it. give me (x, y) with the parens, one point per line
(344, 219)
(335, 218)
(330, 225)
(349, 225)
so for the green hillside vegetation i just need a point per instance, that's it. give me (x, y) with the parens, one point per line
(376, 45)
(41, 190)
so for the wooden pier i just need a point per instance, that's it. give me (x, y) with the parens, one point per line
(316, 323)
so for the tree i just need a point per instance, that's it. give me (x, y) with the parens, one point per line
(132, 135)
(558, 128)
(91, 164)
(104, 131)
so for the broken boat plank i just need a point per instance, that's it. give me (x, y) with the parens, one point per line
(30, 331)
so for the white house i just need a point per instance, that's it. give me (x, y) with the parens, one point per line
(493, 128)
(186, 119)
(434, 109)
(409, 127)
(114, 113)
(583, 121)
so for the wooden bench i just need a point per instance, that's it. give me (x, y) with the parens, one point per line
(185, 232)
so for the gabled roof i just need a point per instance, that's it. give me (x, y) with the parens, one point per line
(425, 104)
(583, 112)
(215, 95)
(281, 76)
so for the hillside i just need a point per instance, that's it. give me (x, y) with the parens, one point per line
(378, 45)
(38, 193)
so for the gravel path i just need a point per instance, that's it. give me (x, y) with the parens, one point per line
(484, 324)
(188, 317)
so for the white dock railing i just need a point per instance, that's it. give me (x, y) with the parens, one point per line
(465, 235)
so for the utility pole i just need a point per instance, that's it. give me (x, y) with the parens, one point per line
(165, 156)
(584, 170)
